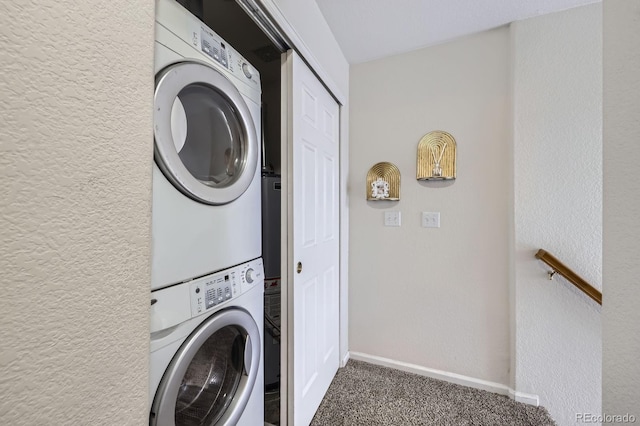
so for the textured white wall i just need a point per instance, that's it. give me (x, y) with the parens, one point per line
(76, 91)
(558, 207)
(621, 304)
(436, 298)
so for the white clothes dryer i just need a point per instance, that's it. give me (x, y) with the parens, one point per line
(206, 350)
(206, 173)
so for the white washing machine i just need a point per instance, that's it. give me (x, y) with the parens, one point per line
(206, 180)
(206, 350)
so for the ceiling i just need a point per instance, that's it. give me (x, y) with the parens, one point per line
(372, 29)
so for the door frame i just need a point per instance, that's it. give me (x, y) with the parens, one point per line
(271, 20)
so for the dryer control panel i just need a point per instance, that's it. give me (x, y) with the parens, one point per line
(212, 45)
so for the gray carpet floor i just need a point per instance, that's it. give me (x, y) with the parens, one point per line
(366, 394)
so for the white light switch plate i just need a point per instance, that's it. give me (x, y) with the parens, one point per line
(431, 219)
(392, 218)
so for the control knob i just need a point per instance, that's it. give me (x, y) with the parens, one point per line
(248, 70)
(249, 275)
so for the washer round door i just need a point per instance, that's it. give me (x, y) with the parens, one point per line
(210, 379)
(205, 139)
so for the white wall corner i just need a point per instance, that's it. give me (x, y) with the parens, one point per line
(344, 361)
(525, 398)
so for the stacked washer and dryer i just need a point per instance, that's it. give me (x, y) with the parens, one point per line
(207, 281)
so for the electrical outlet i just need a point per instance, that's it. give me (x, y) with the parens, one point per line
(392, 218)
(431, 219)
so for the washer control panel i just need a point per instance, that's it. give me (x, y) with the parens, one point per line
(212, 290)
(215, 289)
(251, 274)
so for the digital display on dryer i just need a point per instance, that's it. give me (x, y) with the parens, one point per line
(213, 48)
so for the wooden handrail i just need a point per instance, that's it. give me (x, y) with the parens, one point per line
(571, 276)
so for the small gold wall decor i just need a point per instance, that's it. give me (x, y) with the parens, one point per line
(383, 182)
(436, 156)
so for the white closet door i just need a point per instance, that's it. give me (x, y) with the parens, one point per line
(314, 124)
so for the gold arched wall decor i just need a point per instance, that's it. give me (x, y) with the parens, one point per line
(383, 182)
(436, 156)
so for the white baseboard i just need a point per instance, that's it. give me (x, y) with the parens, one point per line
(446, 376)
(345, 360)
(525, 398)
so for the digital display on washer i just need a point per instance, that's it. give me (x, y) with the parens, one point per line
(213, 293)
(210, 291)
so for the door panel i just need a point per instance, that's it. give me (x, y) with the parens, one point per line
(328, 344)
(314, 317)
(309, 299)
(330, 197)
(308, 194)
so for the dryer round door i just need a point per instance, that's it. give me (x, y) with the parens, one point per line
(205, 139)
(210, 379)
